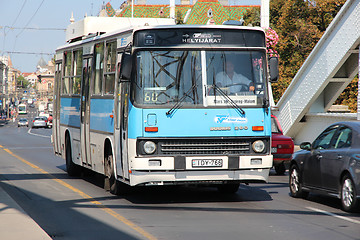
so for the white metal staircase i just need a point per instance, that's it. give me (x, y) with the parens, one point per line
(327, 71)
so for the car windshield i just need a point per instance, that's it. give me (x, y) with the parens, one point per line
(274, 126)
(198, 78)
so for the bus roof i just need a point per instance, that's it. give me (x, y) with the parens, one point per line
(94, 25)
(95, 28)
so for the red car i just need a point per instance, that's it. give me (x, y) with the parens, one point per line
(282, 147)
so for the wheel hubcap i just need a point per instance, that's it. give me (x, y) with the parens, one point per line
(347, 193)
(294, 181)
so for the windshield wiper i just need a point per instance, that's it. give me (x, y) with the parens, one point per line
(233, 104)
(177, 105)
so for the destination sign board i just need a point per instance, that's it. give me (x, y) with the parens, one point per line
(198, 36)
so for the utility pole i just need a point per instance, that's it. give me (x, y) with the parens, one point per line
(265, 14)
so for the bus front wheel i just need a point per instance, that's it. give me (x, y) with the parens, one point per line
(71, 168)
(111, 183)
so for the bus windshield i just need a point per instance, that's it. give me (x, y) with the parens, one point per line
(200, 78)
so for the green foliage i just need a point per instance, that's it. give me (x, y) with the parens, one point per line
(178, 18)
(22, 82)
(252, 17)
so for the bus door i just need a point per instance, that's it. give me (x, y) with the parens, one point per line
(118, 123)
(56, 110)
(85, 114)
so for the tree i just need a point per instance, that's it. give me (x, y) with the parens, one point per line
(22, 82)
(252, 17)
(178, 18)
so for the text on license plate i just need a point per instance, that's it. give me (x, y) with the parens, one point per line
(207, 162)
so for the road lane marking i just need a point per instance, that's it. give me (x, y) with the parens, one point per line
(29, 132)
(334, 215)
(26, 148)
(87, 197)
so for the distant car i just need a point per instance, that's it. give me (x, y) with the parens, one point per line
(23, 122)
(282, 147)
(40, 122)
(330, 165)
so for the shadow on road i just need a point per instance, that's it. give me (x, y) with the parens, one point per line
(61, 219)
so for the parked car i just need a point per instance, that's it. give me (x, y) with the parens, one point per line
(23, 122)
(40, 122)
(330, 165)
(282, 147)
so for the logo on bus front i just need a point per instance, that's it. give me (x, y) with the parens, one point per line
(228, 119)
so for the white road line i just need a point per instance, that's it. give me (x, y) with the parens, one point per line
(334, 215)
(29, 132)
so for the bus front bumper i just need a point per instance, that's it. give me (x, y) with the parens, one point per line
(199, 169)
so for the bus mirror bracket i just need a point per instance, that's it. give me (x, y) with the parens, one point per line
(274, 69)
(125, 69)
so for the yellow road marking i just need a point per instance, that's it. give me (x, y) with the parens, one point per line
(85, 196)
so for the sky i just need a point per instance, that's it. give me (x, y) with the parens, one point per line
(33, 29)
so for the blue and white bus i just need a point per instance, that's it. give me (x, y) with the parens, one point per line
(22, 109)
(154, 105)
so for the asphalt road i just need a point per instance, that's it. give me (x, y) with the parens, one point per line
(79, 208)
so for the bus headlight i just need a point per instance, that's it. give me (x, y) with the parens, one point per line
(258, 146)
(149, 147)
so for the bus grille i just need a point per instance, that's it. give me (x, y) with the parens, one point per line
(204, 147)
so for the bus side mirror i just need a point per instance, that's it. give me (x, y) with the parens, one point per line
(274, 69)
(126, 66)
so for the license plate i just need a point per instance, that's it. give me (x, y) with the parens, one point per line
(273, 150)
(207, 163)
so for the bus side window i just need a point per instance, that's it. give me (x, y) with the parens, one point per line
(67, 73)
(76, 80)
(99, 68)
(110, 67)
(118, 94)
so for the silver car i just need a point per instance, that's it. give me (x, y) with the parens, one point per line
(40, 122)
(23, 122)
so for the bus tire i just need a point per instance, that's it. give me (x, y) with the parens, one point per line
(71, 168)
(111, 183)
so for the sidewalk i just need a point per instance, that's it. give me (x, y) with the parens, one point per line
(15, 223)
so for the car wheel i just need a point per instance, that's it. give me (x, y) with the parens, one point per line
(348, 198)
(280, 169)
(295, 183)
(228, 188)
